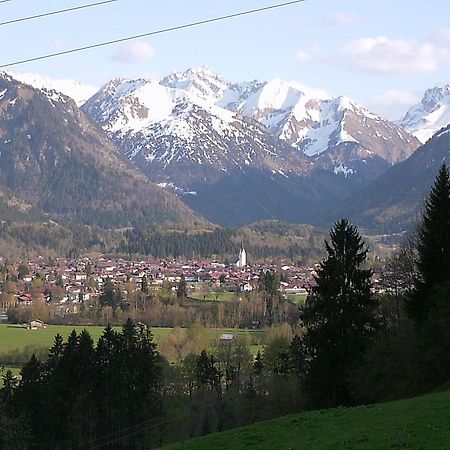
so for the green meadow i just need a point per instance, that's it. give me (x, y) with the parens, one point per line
(415, 423)
(15, 338)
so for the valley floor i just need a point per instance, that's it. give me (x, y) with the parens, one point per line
(416, 423)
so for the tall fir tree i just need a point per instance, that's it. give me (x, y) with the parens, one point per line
(433, 249)
(339, 317)
(429, 302)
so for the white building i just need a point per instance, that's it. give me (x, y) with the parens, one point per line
(242, 261)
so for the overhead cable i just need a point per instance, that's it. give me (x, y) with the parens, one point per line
(151, 33)
(53, 13)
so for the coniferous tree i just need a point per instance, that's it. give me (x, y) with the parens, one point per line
(338, 317)
(429, 303)
(433, 248)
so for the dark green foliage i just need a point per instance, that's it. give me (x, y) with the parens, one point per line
(433, 248)
(206, 373)
(338, 316)
(82, 394)
(428, 304)
(175, 244)
(300, 242)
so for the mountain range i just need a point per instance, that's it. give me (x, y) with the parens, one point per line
(194, 145)
(205, 138)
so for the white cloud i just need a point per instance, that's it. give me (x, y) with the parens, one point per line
(393, 104)
(390, 98)
(136, 52)
(302, 56)
(442, 36)
(343, 19)
(393, 56)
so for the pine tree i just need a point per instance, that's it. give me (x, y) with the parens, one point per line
(338, 316)
(429, 302)
(433, 248)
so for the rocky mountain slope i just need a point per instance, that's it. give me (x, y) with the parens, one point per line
(55, 159)
(430, 115)
(392, 203)
(345, 137)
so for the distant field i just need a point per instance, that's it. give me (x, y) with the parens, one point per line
(14, 337)
(214, 296)
(416, 423)
(298, 299)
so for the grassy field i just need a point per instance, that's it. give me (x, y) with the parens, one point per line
(14, 337)
(298, 299)
(214, 296)
(416, 423)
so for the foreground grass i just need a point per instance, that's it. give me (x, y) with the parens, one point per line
(416, 423)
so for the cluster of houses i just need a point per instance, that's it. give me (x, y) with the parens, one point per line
(69, 283)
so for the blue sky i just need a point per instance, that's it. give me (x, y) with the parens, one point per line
(382, 53)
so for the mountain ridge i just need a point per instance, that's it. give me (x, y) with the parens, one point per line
(53, 157)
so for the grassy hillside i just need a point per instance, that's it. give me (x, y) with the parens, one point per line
(416, 423)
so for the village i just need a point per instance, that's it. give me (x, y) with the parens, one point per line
(69, 283)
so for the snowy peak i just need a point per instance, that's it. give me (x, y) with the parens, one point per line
(79, 92)
(430, 115)
(205, 84)
(438, 94)
(202, 82)
(315, 122)
(132, 106)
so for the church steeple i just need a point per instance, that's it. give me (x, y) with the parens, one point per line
(242, 261)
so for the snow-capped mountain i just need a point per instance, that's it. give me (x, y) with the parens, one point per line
(174, 134)
(347, 137)
(79, 92)
(197, 116)
(430, 115)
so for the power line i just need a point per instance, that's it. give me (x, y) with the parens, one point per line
(53, 13)
(4, 1)
(151, 33)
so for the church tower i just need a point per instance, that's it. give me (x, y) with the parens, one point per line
(242, 262)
